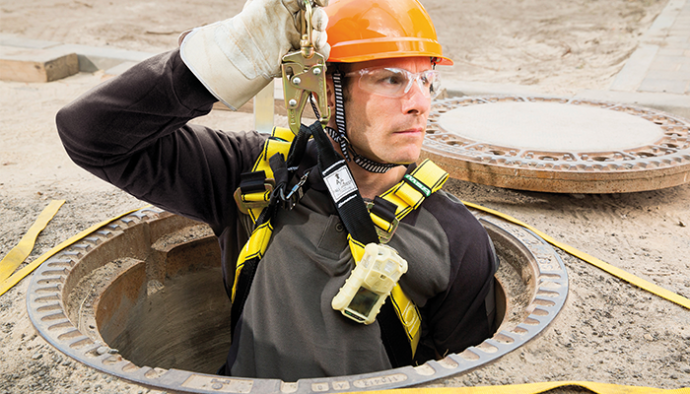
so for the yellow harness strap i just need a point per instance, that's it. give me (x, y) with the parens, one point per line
(255, 247)
(427, 178)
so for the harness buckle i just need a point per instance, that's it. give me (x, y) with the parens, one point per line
(244, 206)
(384, 235)
(294, 195)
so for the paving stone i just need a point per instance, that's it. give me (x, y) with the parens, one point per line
(676, 39)
(119, 69)
(665, 20)
(678, 45)
(13, 41)
(671, 52)
(98, 58)
(674, 75)
(659, 63)
(664, 86)
(632, 74)
(36, 65)
(673, 59)
(664, 66)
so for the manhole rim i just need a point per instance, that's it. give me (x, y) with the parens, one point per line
(46, 311)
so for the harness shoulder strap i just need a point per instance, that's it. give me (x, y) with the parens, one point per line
(409, 194)
(252, 202)
(253, 250)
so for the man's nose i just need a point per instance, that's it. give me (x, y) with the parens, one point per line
(416, 99)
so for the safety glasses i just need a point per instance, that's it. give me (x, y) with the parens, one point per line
(397, 82)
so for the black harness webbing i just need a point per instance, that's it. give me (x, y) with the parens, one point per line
(349, 203)
(356, 219)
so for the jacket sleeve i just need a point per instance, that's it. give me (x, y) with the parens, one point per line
(132, 132)
(462, 315)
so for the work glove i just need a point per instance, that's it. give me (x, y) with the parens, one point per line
(238, 57)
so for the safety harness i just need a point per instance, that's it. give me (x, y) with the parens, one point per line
(266, 188)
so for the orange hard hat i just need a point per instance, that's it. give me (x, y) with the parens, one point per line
(361, 30)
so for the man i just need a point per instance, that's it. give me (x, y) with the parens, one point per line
(132, 131)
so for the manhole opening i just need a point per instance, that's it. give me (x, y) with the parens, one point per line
(146, 298)
(169, 309)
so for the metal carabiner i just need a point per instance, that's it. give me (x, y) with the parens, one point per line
(307, 41)
(304, 73)
(294, 195)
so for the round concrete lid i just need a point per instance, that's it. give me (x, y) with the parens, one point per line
(558, 145)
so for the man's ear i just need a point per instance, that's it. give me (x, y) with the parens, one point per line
(329, 93)
(330, 97)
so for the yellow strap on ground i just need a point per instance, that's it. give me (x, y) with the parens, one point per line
(626, 276)
(15, 257)
(535, 388)
(29, 268)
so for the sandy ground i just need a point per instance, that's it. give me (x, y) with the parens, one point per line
(608, 330)
(560, 45)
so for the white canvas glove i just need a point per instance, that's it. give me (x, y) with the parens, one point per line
(238, 57)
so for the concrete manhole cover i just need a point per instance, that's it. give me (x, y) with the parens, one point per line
(142, 299)
(558, 145)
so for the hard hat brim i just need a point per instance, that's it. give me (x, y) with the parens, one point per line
(387, 48)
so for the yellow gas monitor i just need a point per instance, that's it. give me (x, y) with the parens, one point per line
(370, 283)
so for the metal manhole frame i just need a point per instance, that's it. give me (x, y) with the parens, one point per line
(666, 163)
(47, 313)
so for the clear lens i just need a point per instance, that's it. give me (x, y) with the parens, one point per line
(396, 82)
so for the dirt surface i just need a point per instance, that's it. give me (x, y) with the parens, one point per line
(560, 45)
(608, 331)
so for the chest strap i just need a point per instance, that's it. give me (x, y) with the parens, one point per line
(428, 177)
(385, 211)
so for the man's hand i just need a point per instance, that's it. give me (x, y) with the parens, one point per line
(238, 57)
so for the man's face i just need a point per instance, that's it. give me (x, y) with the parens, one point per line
(383, 128)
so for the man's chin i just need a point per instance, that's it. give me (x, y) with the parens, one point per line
(407, 160)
